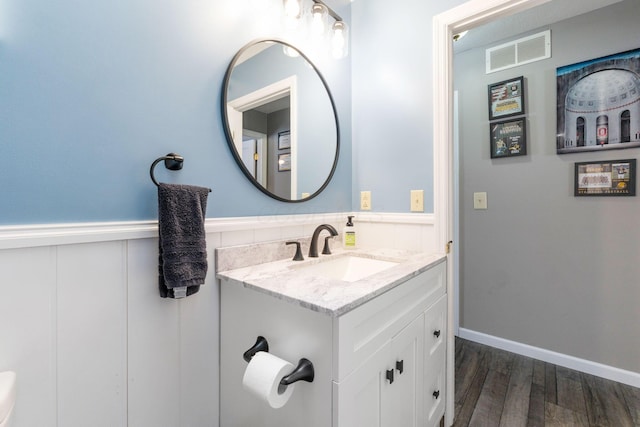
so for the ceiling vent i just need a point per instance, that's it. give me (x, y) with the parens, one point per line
(519, 52)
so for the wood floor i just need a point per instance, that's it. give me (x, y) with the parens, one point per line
(497, 388)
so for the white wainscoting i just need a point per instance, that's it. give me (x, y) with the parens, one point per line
(93, 344)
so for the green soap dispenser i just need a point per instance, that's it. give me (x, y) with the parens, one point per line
(349, 234)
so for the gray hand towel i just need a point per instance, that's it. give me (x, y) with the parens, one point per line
(183, 247)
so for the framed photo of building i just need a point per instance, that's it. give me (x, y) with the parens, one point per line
(508, 138)
(598, 104)
(606, 178)
(506, 98)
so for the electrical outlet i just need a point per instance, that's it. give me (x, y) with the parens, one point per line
(417, 200)
(480, 200)
(365, 200)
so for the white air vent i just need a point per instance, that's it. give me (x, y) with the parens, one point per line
(519, 52)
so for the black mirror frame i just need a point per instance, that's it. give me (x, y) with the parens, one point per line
(227, 130)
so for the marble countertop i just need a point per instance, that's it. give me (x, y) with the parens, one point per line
(287, 280)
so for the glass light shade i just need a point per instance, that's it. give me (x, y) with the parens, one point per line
(319, 19)
(292, 14)
(292, 9)
(340, 40)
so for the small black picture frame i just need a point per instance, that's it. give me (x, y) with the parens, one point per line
(506, 98)
(284, 162)
(605, 178)
(508, 138)
(284, 140)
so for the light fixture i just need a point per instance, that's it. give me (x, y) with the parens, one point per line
(292, 8)
(292, 13)
(318, 22)
(340, 40)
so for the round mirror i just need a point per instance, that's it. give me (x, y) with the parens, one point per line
(280, 121)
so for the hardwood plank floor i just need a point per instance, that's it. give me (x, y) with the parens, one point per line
(496, 388)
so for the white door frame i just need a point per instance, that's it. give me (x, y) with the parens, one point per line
(285, 87)
(464, 17)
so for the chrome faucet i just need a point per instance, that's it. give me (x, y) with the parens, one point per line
(313, 247)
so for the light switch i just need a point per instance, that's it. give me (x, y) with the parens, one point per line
(480, 200)
(365, 200)
(417, 200)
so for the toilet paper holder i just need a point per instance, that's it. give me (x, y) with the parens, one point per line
(260, 345)
(303, 372)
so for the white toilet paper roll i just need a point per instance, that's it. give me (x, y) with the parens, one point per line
(262, 378)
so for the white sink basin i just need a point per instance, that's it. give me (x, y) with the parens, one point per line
(347, 268)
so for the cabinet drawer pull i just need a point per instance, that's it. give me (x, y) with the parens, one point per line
(436, 394)
(390, 376)
(437, 333)
(400, 366)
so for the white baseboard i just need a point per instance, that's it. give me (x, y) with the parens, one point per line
(571, 362)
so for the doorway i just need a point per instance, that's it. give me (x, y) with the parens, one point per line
(464, 17)
(265, 111)
(625, 126)
(254, 154)
(580, 132)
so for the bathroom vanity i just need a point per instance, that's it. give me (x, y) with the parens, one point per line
(372, 322)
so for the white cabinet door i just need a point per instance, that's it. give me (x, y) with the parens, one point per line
(435, 332)
(402, 399)
(386, 390)
(360, 394)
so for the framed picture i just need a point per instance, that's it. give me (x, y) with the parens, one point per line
(284, 162)
(506, 98)
(606, 178)
(598, 104)
(284, 140)
(508, 138)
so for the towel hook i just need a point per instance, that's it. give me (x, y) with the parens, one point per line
(172, 161)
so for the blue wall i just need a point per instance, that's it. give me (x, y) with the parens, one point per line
(92, 92)
(392, 100)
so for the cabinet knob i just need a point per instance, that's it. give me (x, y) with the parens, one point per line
(436, 333)
(400, 366)
(390, 376)
(436, 394)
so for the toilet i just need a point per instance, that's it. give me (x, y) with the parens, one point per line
(7, 397)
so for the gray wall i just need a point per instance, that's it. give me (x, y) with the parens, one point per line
(540, 266)
(255, 121)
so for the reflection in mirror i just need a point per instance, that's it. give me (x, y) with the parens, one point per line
(280, 121)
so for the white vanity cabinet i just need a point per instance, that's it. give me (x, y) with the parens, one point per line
(435, 356)
(386, 390)
(394, 333)
(377, 364)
